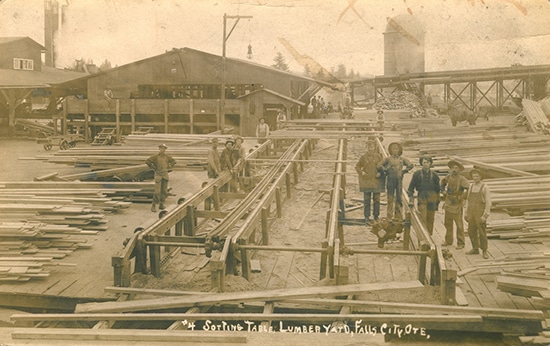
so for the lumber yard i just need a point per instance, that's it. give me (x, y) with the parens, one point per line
(265, 237)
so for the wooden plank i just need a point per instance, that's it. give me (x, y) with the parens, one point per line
(124, 335)
(270, 295)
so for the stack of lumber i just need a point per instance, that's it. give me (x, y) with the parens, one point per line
(534, 114)
(26, 247)
(172, 140)
(45, 129)
(97, 158)
(74, 204)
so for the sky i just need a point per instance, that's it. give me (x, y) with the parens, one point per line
(459, 34)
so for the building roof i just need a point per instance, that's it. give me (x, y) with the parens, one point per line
(269, 91)
(4, 40)
(12, 79)
(194, 51)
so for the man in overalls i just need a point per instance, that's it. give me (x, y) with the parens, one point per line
(454, 187)
(478, 208)
(395, 166)
(371, 181)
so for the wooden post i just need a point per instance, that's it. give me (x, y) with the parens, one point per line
(295, 171)
(141, 257)
(191, 117)
(189, 221)
(179, 228)
(65, 113)
(265, 231)
(122, 272)
(422, 262)
(86, 121)
(448, 287)
(166, 116)
(154, 261)
(218, 112)
(216, 197)
(323, 269)
(407, 231)
(288, 185)
(133, 114)
(301, 158)
(117, 120)
(245, 262)
(278, 202)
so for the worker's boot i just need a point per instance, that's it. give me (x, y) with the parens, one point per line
(153, 208)
(162, 206)
(485, 254)
(473, 252)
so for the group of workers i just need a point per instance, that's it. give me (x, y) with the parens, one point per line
(378, 174)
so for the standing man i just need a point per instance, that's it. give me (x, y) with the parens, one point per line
(213, 167)
(454, 187)
(162, 164)
(262, 131)
(227, 159)
(395, 166)
(281, 118)
(371, 181)
(478, 208)
(426, 183)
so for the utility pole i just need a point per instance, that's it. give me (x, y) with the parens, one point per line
(225, 38)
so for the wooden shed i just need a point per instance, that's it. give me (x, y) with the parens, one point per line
(180, 92)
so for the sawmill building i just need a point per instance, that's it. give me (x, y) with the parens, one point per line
(180, 92)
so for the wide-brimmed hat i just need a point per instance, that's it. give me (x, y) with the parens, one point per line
(398, 145)
(163, 146)
(425, 157)
(229, 141)
(455, 163)
(380, 111)
(475, 171)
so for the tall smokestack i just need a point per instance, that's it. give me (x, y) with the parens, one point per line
(51, 24)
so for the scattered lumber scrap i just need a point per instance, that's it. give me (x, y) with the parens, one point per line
(534, 114)
(522, 286)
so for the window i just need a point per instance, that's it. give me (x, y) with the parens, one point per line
(23, 64)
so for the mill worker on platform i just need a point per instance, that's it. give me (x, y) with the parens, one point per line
(454, 187)
(395, 166)
(426, 183)
(161, 163)
(371, 181)
(478, 208)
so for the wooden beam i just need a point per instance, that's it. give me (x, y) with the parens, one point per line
(270, 295)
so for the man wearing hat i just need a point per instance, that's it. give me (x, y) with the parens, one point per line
(227, 159)
(371, 181)
(426, 183)
(161, 163)
(262, 131)
(213, 167)
(281, 118)
(394, 167)
(454, 187)
(478, 208)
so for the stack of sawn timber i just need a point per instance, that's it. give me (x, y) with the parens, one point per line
(78, 204)
(536, 117)
(521, 181)
(27, 247)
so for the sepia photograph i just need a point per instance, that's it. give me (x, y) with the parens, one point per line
(275, 172)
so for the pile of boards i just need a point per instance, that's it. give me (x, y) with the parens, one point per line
(536, 115)
(28, 247)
